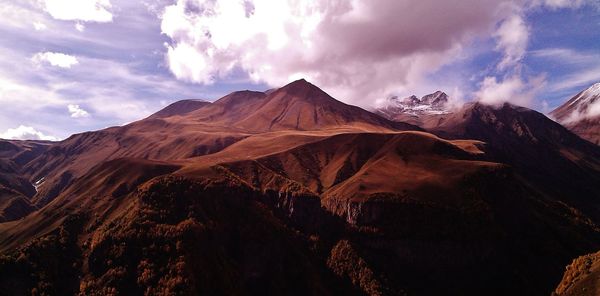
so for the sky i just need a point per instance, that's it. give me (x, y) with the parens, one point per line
(69, 66)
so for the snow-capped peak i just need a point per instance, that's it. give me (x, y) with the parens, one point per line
(434, 103)
(586, 97)
(593, 90)
(584, 105)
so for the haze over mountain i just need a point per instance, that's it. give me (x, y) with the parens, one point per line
(290, 191)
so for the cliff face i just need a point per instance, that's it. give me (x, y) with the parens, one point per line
(582, 277)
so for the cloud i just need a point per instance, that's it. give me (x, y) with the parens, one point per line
(26, 133)
(567, 56)
(39, 26)
(26, 89)
(512, 36)
(80, 27)
(80, 10)
(594, 109)
(586, 67)
(358, 50)
(56, 59)
(511, 89)
(578, 79)
(76, 111)
(555, 4)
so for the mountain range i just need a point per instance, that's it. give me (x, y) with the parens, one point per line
(293, 192)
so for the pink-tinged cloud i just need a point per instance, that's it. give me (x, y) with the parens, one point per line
(358, 50)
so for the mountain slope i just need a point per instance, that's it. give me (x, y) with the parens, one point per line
(542, 151)
(581, 114)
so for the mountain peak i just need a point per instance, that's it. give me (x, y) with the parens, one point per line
(436, 99)
(301, 86)
(181, 107)
(581, 114)
(593, 90)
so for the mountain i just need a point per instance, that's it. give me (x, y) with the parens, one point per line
(293, 192)
(426, 112)
(542, 151)
(581, 114)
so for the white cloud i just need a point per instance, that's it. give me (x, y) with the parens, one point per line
(511, 89)
(586, 67)
(567, 56)
(26, 133)
(80, 27)
(80, 10)
(39, 26)
(578, 79)
(187, 63)
(76, 111)
(15, 14)
(555, 4)
(56, 59)
(512, 36)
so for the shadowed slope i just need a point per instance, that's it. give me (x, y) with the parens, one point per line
(422, 201)
(16, 188)
(553, 159)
